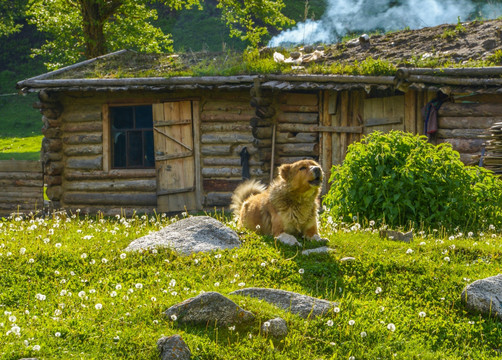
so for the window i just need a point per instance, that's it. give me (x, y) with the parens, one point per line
(131, 131)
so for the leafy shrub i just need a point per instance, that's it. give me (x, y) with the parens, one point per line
(401, 179)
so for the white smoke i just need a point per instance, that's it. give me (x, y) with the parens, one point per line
(345, 16)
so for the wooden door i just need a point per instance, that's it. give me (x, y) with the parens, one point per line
(176, 155)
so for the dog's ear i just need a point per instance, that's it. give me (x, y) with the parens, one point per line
(284, 171)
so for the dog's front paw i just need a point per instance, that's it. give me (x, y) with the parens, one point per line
(317, 238)
(288, 239)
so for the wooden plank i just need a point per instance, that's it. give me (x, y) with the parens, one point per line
(118, 185)
(20, 166)
(298, 98)
(384, 111)
(223, 116)
(78, 175)
(220, 185)
(344, 121)
(467, 122)
(196, 146)
(462, 133)
(471, 109)
(299, 108)
(226, 105)
(174, 156)
(110, 199)
(326, 137)
(465, 145)
(298, 118)
(410, 111)
(320, 128)
(231, 127)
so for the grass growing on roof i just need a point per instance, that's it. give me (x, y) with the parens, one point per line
(69, 290)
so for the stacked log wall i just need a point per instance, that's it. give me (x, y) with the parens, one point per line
(225, 132)
(23, 187)
(296, 113)
(87, 184)
(465, 124)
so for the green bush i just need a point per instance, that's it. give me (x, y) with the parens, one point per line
(402, 180)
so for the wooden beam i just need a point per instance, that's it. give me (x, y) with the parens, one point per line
(320, 128)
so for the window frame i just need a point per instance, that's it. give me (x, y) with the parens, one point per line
(108, 143)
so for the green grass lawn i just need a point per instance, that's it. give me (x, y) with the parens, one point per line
(69, 290)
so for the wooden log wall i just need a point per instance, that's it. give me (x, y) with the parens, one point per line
(77, 177)
(225, 131)
(23, 187)
(465, 124)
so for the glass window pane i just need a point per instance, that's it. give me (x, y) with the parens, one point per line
(119, 149)
(122, 117)
(148, 149)
(135, 149)
(144, 117)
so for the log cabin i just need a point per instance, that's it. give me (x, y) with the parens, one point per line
(139, 143)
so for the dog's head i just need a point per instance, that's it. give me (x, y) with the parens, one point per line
(302, 175)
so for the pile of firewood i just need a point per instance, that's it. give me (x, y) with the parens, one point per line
(493, 158)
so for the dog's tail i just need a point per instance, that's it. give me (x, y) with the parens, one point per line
(243, 192)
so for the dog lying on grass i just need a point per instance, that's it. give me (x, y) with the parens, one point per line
(287, 208)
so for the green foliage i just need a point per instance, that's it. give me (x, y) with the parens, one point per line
(11, 11)
(400, 179)
(496, 57)
(56, 269)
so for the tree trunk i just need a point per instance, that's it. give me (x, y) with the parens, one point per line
(94, 15)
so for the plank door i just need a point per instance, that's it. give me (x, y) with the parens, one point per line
(176, 156)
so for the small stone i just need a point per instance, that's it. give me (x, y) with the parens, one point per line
(295, 55)
(347, 259)
(397, 235)
(209, 308)
(489, 44)
(319, 250)
(173, 348)
(275, 327)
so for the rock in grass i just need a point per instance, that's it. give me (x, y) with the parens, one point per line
(301, 305)
(319, 250)
(275, 327)
(209, 308)
(191, 235)
(173, 348)
(484, 296)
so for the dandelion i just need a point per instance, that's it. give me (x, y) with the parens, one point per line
(22, 251)
(104, 261)
(257, 227)
(58, 245)
(31, 261)
(12, 318)
(422, 314)
(336, 309)
(36, 348)
(391, 327)
(378, 290)
(216, 284)
(98, 306)
(409, 251)
(81, 294)
(363, 334)
(231, 328)
(217, 256)
(40, 297)
(329, 323)
(491, 227)
(57, 334)
(123, 256)
(118, 287)
(301, 271)
(83, 256)
(263, 264)
(16, 330)
(113, 294)
(352, 358)
(174, 317)
(266, 324)
(139, 286)
(447, 259)
(372, 223)
(352, 322)
(172, 283)
(62, 293)
(241, 284)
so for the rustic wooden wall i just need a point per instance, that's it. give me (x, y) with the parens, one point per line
(22, 187)
(465, 123)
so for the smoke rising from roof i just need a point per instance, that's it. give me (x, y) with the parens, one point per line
(346, 16)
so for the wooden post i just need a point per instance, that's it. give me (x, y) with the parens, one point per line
(326, 138)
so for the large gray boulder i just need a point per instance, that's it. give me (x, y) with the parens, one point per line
(209, 308)
(301, 305)
(191, 235)
(485, 296)
(173, 348)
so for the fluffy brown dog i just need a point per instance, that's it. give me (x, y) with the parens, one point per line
(287, 208)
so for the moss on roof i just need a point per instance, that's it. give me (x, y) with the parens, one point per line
(473, 44)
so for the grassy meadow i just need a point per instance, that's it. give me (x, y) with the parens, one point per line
(69, 290)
